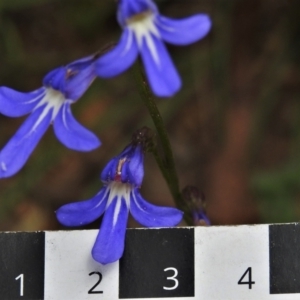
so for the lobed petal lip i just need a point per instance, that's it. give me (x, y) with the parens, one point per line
(120, 58)
(109, 244)
(163, 77)
(18, 149)
(17, 104)
(83, 212)
(71, 133)
(150, 215)
(183, 31)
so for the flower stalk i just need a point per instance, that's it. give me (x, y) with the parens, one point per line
(166, 164)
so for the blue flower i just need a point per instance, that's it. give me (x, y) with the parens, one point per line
(196, 202)
(200, 218)
(122, 178)
(144, 31)
(50, 103)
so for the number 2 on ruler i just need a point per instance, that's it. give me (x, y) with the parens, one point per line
(249, 282)
(92, 290)
(21, 277)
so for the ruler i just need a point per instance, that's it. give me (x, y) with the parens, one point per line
(218, 262)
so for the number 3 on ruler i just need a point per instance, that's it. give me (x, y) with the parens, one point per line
(249, 282)
(176, 283)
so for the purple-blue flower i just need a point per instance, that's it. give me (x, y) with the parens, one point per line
(200, 218)
(122, 178)
(196, 202)
(144, 32)
(48, 104)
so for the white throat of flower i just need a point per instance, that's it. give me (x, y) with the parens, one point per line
(52, 99)
(143, 25)
(120, 191)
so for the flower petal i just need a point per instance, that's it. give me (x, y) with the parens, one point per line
(130, 8)
(162, 74)
(184, 31)
(16, 104)
(56, 79)
(119, 58)
(151, 215)
(133, 169)
(73, 79)
(109, 245)
(126, 167)
(16, 152)
(71, 133)
(83, 212)
(200, 216)
(109, 171)
(79, 76)
(82, 63)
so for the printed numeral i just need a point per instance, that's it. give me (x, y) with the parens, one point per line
(92, 289)
(249, 282)
(176, 283)
(21, 277)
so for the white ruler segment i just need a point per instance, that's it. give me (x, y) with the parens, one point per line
(223, 254)
(68, 263)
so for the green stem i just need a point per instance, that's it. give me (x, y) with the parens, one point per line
(167, 164)
(161, 166)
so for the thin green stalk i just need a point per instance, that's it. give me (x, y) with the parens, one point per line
(161, 166)
(167, 164)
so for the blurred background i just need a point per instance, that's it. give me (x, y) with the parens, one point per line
(234, 126)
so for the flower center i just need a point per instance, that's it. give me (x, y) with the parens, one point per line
(144, 28)
(141, 17)
(53, 99)
(119, 190)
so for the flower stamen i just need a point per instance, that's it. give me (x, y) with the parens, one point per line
(119, 169)
(71, 73)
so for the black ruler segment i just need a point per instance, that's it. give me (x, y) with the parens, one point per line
(158, 263)
(22, 265)
(284, 242)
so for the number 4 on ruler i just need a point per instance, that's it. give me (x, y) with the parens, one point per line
(249, 282)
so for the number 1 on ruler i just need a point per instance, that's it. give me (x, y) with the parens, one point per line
(21, 277)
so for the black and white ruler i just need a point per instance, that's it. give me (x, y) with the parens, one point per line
(212, 263)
